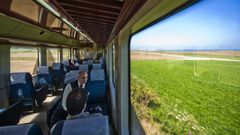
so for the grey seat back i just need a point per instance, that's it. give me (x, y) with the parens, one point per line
(97, 75)
(26, 129)
(95, 125)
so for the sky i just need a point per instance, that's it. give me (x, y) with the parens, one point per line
(208, 24)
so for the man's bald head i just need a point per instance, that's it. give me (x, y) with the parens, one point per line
(82, 77)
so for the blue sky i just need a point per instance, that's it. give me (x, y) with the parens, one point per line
(208, 24)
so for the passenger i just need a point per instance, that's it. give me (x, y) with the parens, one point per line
(60, 112)
(80, 83)
(76, 103)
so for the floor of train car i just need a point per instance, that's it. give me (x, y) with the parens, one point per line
(40, 117)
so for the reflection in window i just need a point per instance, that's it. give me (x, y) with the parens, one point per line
(185, 71)
(53, 55)
(24, 59)
(113, 64)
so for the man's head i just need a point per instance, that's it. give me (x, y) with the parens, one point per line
(76, 101)
(82, 77)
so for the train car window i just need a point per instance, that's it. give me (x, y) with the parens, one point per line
(66, 53)
(26, 8)
(185, 71)
(113, 64)
(24, 59)
(53, 55)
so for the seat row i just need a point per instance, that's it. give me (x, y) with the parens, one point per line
(95, 125)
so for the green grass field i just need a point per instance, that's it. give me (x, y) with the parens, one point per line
(189, 97)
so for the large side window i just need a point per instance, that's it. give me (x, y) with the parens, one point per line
(185, 71)
(24, 59)
(66, 53)
(53, 55)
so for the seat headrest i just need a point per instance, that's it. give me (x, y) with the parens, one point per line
(43, 70)
(83, 67)
(65, 63)
(97, 66)
(71, 76)
(84, 62)
(101, 60)
(56, 66)
(97, 75)
(90, 62)
(21, 77)
(95, 125)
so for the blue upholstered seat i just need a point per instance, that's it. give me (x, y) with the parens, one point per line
(25, 129)
(22, 88)
(11, 115)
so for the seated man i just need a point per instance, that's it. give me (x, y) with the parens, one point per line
(60, 112)
(76, 103)
(80, 83)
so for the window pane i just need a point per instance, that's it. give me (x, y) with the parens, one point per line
(66, 54)
(53, 55)
(185, 71)
(113, 64)
(24, 59)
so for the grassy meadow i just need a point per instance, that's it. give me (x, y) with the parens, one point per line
(186, 96)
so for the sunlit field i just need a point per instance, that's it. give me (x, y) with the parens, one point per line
(186, 96)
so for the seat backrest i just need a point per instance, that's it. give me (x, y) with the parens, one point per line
(43, 70)
(71, 76)
(21, 85)
(97, 90)
(56, 66)
(97, 75)
(11, 115)
(96, 66)
(83, 67)
(95, 125)
(90, 62)
(65, 63)
(101, 60)
(25, 129)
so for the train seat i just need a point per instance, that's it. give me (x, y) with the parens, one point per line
(44, 74)
(97, 75)
(71, 76)
(25, 129)
(11, 115)
(97, 86)
(92, 125)
(90, 61)
(96, 66)
(84, 67)
(57, 74)
(66, 67)
(21, 87)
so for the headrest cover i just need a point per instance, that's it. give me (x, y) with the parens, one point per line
(43, 70)
(65, 63)
(90, 62)
(97, 75)
(85, 62)
(83, 67)
(97, 125)
(22, 78)
(97, 66)
(56, 66)
(71, 76)
(101, 60)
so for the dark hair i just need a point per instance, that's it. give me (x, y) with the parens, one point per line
(76, 101)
